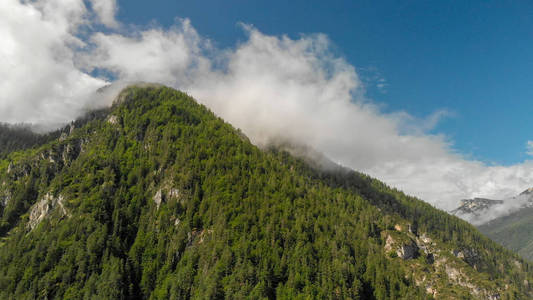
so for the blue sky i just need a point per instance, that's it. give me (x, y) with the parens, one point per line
(472, 58)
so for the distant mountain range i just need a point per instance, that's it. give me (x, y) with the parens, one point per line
(475, 210)
(479, 211)
(508, 222)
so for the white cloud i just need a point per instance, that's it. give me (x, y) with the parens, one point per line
(269, 86)
(40, 82)
(105, 11)
(171, 57)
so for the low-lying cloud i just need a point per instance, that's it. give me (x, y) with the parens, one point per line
(272, 87)
(497, 208)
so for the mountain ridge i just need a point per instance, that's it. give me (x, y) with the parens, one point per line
(157, 197)
(479, 211)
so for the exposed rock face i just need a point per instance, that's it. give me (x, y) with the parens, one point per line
(475, 209)
(470, 256)
(158, 198)
(407, 251)
(480, 211)
(452, 273)
(191, 236)
(44, 207)
(56, 158)
(430, 290)
(4, 200)
(426, 239)
(389, 243)
(405, 244)
(112, 119)
(404, 249)
(5, 195)
(173, 193)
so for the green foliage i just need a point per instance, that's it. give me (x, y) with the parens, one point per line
(233, 221)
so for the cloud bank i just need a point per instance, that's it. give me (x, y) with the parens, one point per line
(272, 87)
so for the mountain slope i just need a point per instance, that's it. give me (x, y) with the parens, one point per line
(513, 231)
(158, 198)
(19, 137)
(508, 222)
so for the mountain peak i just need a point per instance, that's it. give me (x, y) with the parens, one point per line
(475, 205)
(126, 92)
(160, 198)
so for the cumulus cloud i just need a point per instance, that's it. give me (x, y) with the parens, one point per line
(272, 87)
(105, 11)
(173, 56)
(40, 81)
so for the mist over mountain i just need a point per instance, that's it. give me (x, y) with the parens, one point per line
(158, 198)
(283, 88)
(479, 211)
(508, 222)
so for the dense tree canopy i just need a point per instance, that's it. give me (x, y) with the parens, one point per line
(157, 198)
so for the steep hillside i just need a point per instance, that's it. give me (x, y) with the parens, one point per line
(158, 198)
(19, 137)
(514, 231)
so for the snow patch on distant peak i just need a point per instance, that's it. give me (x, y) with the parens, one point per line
(479, 211)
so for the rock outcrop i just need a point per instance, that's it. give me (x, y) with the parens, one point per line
(5, 194)
(405, 244)
(470, 256)
(112, 119)
(166, 192)
(158, 198)
(403, 248)
(44, 208)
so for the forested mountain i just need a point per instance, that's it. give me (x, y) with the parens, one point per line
(19, 137)
(157, 198)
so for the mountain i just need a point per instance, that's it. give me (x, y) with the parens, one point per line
(508, 222)
(476, 210)
(156, 197)
(514, 229)
(479, 211)
(19, 137)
